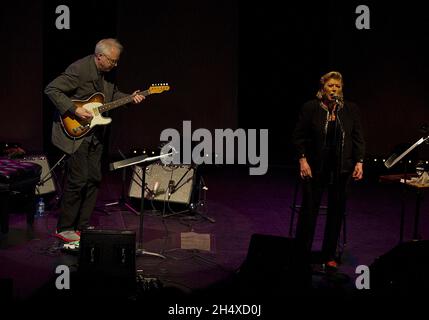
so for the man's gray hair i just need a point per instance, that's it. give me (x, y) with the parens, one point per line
(104, 45)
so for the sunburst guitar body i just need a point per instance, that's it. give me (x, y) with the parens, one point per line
(77, 128)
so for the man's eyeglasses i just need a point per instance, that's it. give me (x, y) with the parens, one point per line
(111, 61)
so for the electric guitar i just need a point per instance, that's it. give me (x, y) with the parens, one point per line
(75, 127)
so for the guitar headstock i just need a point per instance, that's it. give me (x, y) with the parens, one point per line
(158, 88)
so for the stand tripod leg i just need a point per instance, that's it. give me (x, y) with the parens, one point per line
(207, 217)
(203, 215)
(122, 200)
(121, 203)
(131, 209)
(202, 200)
(142, 252)
(111, 204)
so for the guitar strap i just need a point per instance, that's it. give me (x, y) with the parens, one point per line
(95, 136)
(99, 133)
(100, 82)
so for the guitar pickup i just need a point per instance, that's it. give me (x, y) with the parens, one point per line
(81, 128)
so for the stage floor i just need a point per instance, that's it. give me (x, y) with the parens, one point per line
(205, 253)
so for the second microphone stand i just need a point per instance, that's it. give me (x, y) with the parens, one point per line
(144, 161)
(201, 188)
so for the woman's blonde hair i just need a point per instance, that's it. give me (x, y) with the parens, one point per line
(328, 76)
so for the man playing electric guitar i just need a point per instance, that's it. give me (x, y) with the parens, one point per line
(78, 82)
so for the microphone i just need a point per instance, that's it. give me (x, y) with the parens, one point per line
(171, 188)
(339, 99)
(155, 188)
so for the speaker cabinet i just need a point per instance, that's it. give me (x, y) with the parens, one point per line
(403, 269)
(277, 263)
(160, 179)
(107, 254)
(46, 177)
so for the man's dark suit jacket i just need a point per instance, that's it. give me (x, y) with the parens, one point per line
(79, 81)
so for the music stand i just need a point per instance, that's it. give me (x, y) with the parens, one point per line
(144, 161)
(395, 158)
(389, 163)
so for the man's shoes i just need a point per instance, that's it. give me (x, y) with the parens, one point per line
(85, 227)
(72, 247)
(331, 266)
(68, 236)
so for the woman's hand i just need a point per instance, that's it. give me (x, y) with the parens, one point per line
(305, 170)
(358, 171)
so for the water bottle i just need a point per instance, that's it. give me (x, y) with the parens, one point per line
(40, 211)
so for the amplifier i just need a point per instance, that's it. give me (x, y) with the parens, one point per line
(160, 178)
(46, 177)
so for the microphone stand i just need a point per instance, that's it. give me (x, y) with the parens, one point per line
(140, 251)
(47, 177)
(201, 186)
(144, 161)
(173, 187)
(337, 179)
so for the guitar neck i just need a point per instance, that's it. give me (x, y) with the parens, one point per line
(120, 102)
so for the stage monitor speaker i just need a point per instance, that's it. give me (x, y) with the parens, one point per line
(107, 254)
(404, 269)
(158, 179)
(274, 260)
(49, 185)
